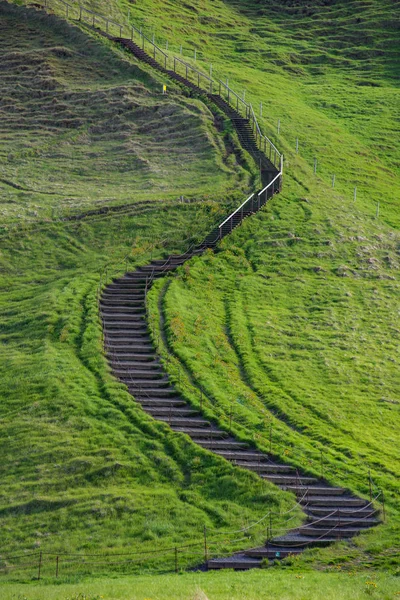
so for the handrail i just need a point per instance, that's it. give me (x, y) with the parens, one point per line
(189, 66)
(234, 212)
(270, 183)
(133, 28)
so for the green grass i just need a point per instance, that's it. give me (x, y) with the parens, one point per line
(83, 468)
(278, 584)
(294, 322)
(83, 128)
(327, 70)
(300, 339)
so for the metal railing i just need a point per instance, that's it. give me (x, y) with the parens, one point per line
(252, 204)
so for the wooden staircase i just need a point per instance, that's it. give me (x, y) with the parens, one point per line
(333, 513)
(241, 124)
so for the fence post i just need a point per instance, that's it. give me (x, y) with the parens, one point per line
(270, 525)
(333, 180)
(279, 126)
(260, 109)
(370, 485)
(377, 210)
(176, 559)
(57, 566)
(205, 545)
(355, 194)
(297, 145)
(315, 166)
(39, 565)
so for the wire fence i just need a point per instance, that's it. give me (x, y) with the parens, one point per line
(197, 554)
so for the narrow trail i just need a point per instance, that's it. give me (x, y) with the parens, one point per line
(333, 513)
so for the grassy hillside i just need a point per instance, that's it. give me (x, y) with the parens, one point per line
(327, 70)
(83, 468)
(276, 584)
(303, 332)
(83, 129)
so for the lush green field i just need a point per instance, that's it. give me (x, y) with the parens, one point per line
(83, 468)
(327, 70)
(276, 584)
(293, 323)
(84, 128)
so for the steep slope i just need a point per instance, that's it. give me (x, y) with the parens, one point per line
(82, 128)
(83, 469)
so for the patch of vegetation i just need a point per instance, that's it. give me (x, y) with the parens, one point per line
(83, 468)
(83, 127)
(290, 329)
(276, 584)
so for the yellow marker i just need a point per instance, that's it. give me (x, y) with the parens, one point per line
(164, 89)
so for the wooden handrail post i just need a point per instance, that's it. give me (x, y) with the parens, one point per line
(370, 485)
(40, 565)
(205, 545)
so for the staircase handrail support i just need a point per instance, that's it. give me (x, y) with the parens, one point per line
(269, 184)
(261, 134)
(264, 190)
(133, 28)
(235, 211)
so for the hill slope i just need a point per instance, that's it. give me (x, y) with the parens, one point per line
(83, 468)
(83, 128)
(303, 330)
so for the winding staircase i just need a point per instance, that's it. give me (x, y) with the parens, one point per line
(333, 513)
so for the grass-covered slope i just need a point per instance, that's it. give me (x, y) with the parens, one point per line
(291, 330)
(83, 128)
(295, 321)
(327, 70)
(83, 468)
